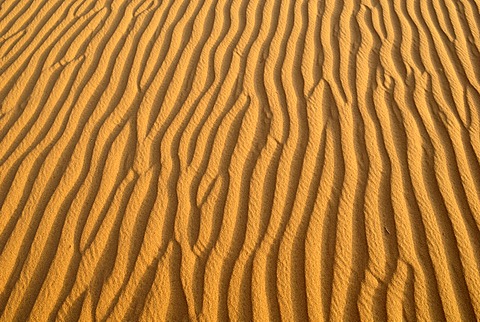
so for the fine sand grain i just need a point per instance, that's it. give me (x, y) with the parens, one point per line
(212, 160)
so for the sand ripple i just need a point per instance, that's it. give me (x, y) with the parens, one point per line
(239, 160)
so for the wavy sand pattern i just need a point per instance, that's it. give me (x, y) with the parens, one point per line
(239, 160)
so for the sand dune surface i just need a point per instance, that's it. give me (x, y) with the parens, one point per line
(215, 160)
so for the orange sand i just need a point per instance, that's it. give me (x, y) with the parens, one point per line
(165, 160)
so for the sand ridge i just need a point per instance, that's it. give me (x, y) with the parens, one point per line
(239, 160)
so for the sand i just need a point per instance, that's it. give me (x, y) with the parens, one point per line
(214, 160)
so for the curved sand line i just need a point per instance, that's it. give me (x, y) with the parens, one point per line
(239, 160)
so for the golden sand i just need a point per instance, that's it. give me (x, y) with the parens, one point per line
(168, 160)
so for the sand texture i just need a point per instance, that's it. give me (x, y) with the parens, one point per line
(214, 160)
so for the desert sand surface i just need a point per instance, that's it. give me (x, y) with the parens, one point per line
(214, 160)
